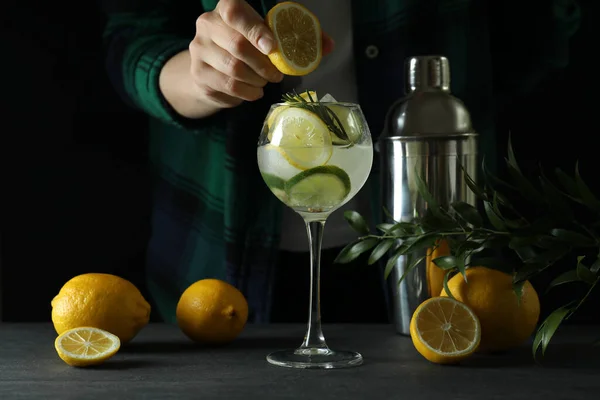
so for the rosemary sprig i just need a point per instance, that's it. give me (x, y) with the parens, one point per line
(322, 111)
(524, 229)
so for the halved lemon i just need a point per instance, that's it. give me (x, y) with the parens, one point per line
(85, 346)
(298, 35)
(444, 330)
(302, 138)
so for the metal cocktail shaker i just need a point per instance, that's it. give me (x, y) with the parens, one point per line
(427, 132)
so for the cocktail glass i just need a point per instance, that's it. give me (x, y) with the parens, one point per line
(315, 156)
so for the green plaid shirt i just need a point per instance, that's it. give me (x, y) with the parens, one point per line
(212, 214)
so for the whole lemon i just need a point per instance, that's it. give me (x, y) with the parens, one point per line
(505, 322)
(212, 311)
(102, 301)
(435, 275)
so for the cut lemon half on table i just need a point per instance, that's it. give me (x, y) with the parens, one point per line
(321, 187)
(298, 35)
(444, 330)
(302, 138)
(82, 347)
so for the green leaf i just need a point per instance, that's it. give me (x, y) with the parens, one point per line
(380, 250)
(467, 212)
(385, 228)
(357, 222)
(495, 220)
(526, 253)
(421, 242)
(402, 228)
(555, 200)
(387, 213)
(529, 270)
(586, 194)
(391, 263)
(521, 241)
(437, 221)
(510, 223)
(410, 267)
(541, 225)
(522, 184)
(572, 237)
(445, 262)
(495, 242)
(512, 160)
(424, 192)
(492, 179)
(540, 262)
(460, 265)
(472, 185)
(595, 266)
(565, 277)
(501, 199)
(342, 255)
(583, 273)
(548, 257)
(548, 328)
(568, 183)
(470, 246)
(518, 289)
(525, 187)
(546, 242)
(447, 276)
(352, 251)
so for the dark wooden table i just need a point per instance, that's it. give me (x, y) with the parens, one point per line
(162, 364)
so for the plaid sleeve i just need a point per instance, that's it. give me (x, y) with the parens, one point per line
(138, 44)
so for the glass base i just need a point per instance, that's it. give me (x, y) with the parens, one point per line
(319, 358)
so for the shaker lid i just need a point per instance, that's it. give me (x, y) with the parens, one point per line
(428, 72)
(429, 110)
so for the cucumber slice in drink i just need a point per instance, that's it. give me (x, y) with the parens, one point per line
(352, 126)
(276, 184)
(318, 188)
(273, 182)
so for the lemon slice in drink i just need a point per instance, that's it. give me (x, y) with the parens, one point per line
(444, 330)
(318, 188)
(275, 113)
(82, 347)
(302, 138)
(298, 35)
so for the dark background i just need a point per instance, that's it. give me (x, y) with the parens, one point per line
(75, 188)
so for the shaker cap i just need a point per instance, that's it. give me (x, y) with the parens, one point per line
(429, 110)
(428, 72)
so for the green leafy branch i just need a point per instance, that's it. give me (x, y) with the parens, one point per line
(534, 224)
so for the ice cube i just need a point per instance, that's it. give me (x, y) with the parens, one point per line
(328, 99)
(272, 161)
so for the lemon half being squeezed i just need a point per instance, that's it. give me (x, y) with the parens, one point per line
(298, 35)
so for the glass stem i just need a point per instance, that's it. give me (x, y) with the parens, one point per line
(314, 338)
